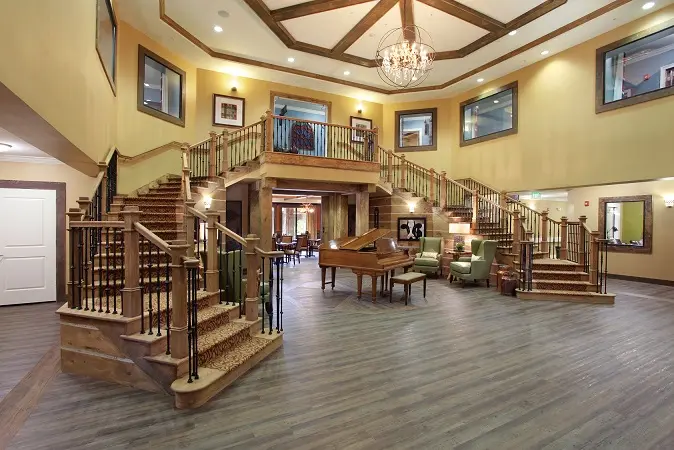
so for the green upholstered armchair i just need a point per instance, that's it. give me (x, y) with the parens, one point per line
(470, 268)
(430, 255)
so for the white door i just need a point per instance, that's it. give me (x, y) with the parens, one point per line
(27, 246)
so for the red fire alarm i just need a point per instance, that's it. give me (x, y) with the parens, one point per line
(587, 203)
(647, 77)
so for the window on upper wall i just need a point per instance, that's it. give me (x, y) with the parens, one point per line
(489, 116)
(636, 69)
(416, 130)
(106, 40)
(161, 87)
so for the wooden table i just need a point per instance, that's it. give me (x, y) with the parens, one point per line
(406, 279)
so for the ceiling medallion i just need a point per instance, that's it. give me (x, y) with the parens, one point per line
(405, 56)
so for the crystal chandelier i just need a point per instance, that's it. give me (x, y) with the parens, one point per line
(307, 208)
(405, 56)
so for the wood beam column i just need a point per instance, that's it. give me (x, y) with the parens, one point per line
(362, 212)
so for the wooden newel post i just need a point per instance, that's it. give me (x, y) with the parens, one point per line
(581, 244)
(189, 228)
(517, 230)
(212, 152)
(186, 169)
(403, 172)
(252, 277)
(269, 132)
(84, 207)
(375, 145)
(433, 182)
(474, 204)
(131, 293)
(545, 230)
(179, 301)
(594, 257)
(443, 189)
(212, 259)
(564, 254)
(224, 164)
(103, 167)
(389, 172)
(74, 215)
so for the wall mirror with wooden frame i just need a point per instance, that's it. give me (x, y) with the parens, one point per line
(627, 223)
(106, 40)
(161, 87)
(636, 69)
(416, 130)
(489, 116)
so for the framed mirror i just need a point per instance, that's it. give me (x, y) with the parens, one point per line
(627, 223)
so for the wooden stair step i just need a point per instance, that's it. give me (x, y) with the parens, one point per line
(566, 296)
(214, 343)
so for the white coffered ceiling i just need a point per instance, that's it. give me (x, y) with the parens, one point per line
(250, 46)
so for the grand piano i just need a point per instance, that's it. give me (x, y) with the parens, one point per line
(372, 254)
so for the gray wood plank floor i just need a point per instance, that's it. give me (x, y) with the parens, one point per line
(466, 369)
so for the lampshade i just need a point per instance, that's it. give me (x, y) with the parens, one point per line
(459, 228)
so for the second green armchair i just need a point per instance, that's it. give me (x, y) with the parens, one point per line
(477, 266)
(430, 255)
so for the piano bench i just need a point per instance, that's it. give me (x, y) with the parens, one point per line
(406, 279)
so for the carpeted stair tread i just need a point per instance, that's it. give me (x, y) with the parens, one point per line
(238, 355)
(224, 338)
(560, 272)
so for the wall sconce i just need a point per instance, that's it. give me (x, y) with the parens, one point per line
(360, 108)
(234, 86)
(412, 205)
(207, 201)
(669, 201)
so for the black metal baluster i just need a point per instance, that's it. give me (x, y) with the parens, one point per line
(85, 252)
(219, 260)
(114, 269)
(123, 277)
(150, 307)
(190, 338)
(227, 274)
(107, 271)
(141, 261)
(240, 277)
(168, 308)
(71, 241)
(159, 286)
(195, 332)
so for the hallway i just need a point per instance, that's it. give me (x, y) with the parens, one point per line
(466, 368)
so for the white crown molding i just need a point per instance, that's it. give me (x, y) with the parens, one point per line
(29, 159)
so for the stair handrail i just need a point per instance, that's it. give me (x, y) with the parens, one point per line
(97, 205)
(240, 239)
(152, 237)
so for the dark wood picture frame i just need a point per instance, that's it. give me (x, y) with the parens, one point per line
(401, 221)
(354, 136)
(434, 130)
(647, 248)
(600, 106)
(318, 101)
(112, 77)
(142, 53)
(462, 114)
(243, 111)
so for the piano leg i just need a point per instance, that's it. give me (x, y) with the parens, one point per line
(374, 288)
(332, 275)
(323, 278)
(359, 281)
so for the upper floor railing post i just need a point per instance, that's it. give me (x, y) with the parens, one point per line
(389, 173)
(224, 164)
(432, 187)
(545, 227)
(564, 253)
(131, 293)
(178, 301)
(212, 151)
(403, 172)
(212, 257)
(252, 277)
(268, 132)
(475, 202)
(503, 200)
(443, 189)
(375, 145)
(103, 167)
(594, 257)
(581, 242)
(517, 230)
(189, 228)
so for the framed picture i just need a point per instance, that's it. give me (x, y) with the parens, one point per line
(411, 228)
(228, 111)
(360, 124)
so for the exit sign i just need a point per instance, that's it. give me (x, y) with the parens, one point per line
(536, 195)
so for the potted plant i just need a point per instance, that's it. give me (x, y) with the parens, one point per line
(459, 246)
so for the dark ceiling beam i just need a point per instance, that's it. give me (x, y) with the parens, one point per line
(466, 14)
(365, 24)
(313, 7)
(407, 20)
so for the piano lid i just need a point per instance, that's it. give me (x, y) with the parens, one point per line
(358, 242)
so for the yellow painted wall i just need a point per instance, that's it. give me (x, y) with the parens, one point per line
(49, 60)
(257, 94)
(138, 131)
(657, 265)
(136, 174)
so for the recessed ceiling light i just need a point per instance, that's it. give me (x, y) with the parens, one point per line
(544, 52)
(648, 5)
(291, 59)
(495, 101)
(480, 80)
(512, 33)
(217, 29)
(4, 147)
(347, 73)
(146, 85)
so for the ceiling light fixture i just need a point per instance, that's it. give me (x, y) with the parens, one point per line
(291, 60)
(544, 52)
(480, 80)
(495, 101)
(217, 29)
(4, 147)
(512, 33)
(405, 55)
(347, 73)
(648, 5)
(146, 85)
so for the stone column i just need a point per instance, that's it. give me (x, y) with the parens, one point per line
(362, 212)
